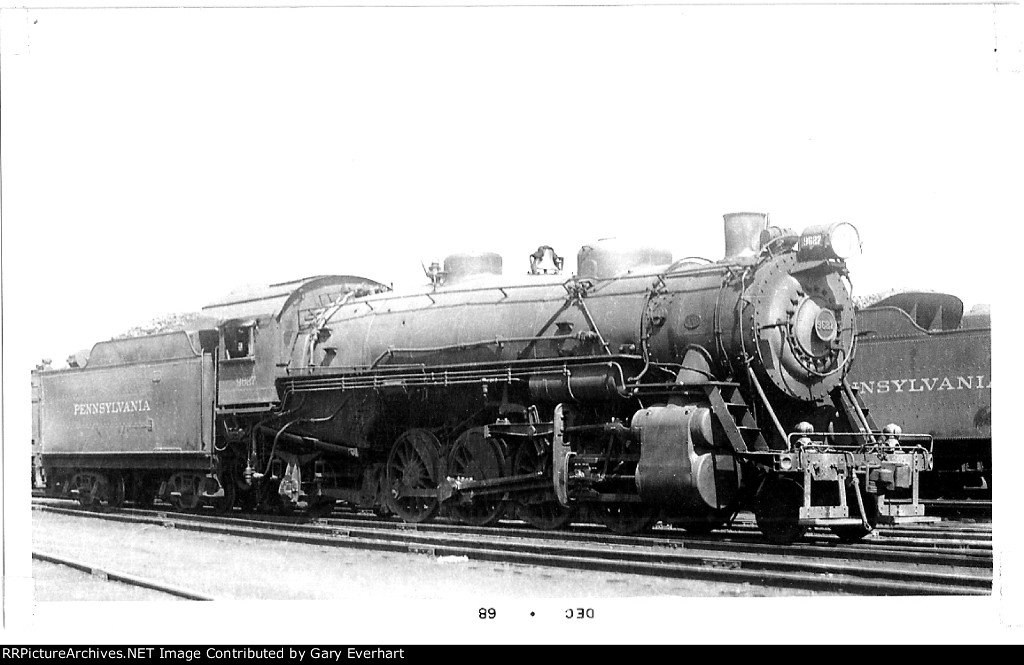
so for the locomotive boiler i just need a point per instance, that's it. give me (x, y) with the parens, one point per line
(639, 388)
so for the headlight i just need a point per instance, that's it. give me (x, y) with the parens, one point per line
(835, 241)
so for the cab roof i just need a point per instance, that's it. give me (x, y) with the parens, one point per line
(271, 301)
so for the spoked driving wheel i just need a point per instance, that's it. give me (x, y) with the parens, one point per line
(414, 469)
(477, 457)
(625, 518)
(778, 511)
(541, 509)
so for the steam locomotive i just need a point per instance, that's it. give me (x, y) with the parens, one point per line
(641, 388)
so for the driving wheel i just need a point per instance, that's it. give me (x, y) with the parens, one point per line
(540, 509)
(477, 457)
(413, 472)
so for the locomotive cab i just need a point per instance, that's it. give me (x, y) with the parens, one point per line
(266, 330)
(239, 339)
(247, 364)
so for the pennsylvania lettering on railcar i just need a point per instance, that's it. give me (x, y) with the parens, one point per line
(920, 385)
(100, 408)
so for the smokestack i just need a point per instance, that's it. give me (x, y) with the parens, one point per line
(743, 233)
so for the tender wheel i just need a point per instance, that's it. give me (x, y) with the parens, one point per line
(82, 486)
(778, 511)
(625, 518)
(851, 534)
(539, 510)
(188, 486)
(98, 491)
(476, 457)
(414, 469)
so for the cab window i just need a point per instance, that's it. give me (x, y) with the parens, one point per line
(238, 341)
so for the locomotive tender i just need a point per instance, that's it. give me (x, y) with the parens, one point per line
(638, 389)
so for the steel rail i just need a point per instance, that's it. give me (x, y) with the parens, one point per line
(911, 550)
(936, 542)
(115, 576)
(893, 548)
(776, 570)
(920, 535)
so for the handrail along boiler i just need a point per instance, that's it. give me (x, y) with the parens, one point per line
(638, 389)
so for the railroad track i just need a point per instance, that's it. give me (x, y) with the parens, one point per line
(941, 561)
(974, 508)
(744, 529)
(117, 576)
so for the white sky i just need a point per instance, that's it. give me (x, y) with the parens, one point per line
(154, 160)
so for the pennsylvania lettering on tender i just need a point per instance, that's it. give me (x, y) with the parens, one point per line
(124, 406)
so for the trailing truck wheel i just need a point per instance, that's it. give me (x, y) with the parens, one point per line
(851, 534)
(778, 511)
(476, 457)
(413, 473)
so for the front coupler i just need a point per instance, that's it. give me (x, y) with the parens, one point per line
(862, 477)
